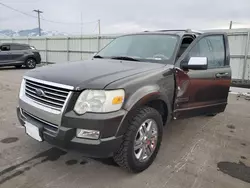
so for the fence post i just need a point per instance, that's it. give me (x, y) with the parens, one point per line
(246, 56)
(68, 48)
(99, 43)
(81, 46)
(46, 50)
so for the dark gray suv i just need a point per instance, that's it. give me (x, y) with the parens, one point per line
(116, 104)
(15, 54)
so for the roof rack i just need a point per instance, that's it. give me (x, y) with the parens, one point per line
(166, 30)
(194, 31)
(181, 30)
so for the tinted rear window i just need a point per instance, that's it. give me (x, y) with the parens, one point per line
(19, 47)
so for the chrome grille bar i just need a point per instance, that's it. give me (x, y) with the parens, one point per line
(45, 87)
(47, 95)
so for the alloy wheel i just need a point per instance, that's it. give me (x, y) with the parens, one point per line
(145, 140)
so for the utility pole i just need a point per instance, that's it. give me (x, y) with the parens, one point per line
(38, 16)
(99, 27)
(81, 24)
(99, 34)
(231, 24)
(81, 37)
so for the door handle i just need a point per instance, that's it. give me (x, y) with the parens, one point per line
(221, 75)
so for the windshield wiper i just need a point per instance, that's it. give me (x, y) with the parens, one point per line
(124, 58)
(98, 56)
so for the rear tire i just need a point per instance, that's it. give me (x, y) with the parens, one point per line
(212, 114)
(30, 63)
(18, 66)
(149, 140)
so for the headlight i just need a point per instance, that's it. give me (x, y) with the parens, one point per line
(99, 101)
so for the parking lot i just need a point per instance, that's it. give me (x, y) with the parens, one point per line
(197, 152)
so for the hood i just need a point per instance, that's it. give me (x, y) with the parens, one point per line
(94, 74)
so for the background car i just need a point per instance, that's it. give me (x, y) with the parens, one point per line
(15, 54)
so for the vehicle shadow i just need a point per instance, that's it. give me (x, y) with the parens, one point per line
(10, 68)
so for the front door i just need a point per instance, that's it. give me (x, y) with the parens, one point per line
(204, 91)
(4, 54)
(17, 52)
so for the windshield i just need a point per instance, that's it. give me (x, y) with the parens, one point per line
(151, 47)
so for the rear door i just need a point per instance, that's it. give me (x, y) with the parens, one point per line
(4, 54)
(17, 52)
(204, 91)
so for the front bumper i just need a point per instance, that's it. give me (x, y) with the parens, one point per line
(65, 135)
(37, 57)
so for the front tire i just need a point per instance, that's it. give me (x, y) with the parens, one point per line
(30, 63)
(142, 140)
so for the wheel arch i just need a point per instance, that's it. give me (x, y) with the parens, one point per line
(147, 96)
(29, 57)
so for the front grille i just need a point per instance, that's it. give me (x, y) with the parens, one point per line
(47, 95)
(48, 128)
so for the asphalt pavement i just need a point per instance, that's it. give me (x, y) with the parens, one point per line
(199, 152)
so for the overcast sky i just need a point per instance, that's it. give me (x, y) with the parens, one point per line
(125, 16)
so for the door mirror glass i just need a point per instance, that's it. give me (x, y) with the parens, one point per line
(195, 63)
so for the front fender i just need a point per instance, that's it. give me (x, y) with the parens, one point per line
(144, 95)
(140, 98)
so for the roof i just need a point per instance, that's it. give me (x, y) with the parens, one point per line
(14, 44)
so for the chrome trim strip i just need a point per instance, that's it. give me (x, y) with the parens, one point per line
(66, 101)
(49, 130)
(45, 100)
(55, 94)
(28, 87)
(21, 112)
(49, 83)
(45, 87)
(38, 119)
(55, 99)
(40, 105)
(197, 107)
(46, 130)
(48, 92)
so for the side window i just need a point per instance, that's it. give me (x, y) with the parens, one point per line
(184, 45)
(17, 47)
(5, 48)
(218, 49)
(211, 47)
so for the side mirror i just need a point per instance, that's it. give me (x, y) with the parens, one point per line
(195, 63)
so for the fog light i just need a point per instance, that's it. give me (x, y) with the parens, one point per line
(84, 133)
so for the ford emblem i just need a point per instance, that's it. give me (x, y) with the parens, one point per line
(40, 93)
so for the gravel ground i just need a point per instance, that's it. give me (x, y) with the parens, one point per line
(197, 152)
